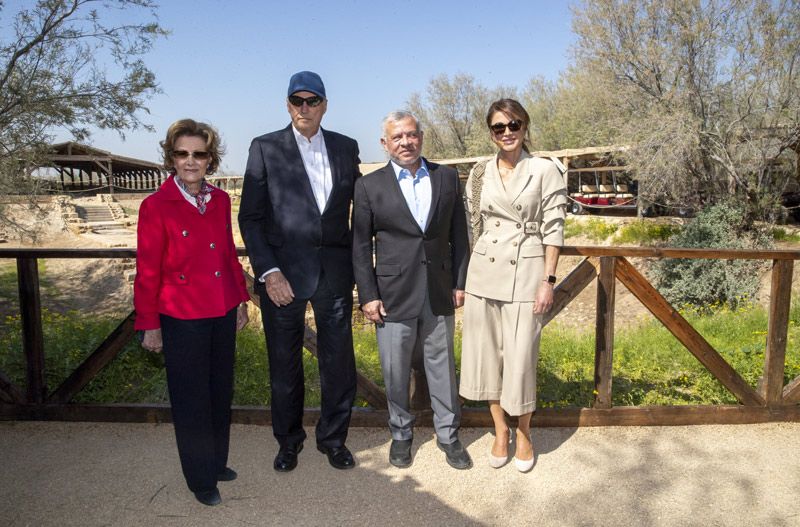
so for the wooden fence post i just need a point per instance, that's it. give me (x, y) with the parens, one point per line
(604, 333)
(775, 355)
(32, 336)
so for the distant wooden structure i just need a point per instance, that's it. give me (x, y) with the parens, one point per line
(84, 168)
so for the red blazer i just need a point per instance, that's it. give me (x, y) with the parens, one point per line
(186, 263)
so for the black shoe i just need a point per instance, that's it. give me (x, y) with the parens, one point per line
(338, 456)
(286, 460)
(208, 497)
(227, 475)
(457, 456)
(400, 453)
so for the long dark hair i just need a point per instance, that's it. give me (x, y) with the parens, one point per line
(516, 111)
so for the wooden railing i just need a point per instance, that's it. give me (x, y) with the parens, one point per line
(771, 401)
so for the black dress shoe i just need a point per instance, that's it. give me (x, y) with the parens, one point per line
(400, 453)
(286, 460)
(227, 475)
(338, 456)
(208, 497)
(457, 456)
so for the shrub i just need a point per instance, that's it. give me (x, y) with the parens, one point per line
(594, 228)
(572, 227)
(703, 283)
(646, 232)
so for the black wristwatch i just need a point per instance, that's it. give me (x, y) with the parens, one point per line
(551, 279)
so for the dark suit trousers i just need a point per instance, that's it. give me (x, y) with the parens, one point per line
(284, 328)
(199, 357)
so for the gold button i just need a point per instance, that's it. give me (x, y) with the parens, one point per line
(514, 244)
(513, 262)
(185, 233)
(494, 241)
(491, 258)
(217, 274)
(497, 224)
(490, 207)
(519, 226)
(519, 207)
(213, 246)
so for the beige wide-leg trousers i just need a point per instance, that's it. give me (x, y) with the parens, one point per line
(499, 353)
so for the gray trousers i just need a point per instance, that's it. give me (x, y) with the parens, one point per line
(433, 337)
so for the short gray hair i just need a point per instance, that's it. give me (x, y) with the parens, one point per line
(396, 116)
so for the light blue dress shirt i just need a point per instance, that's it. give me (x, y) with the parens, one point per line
(416, 190)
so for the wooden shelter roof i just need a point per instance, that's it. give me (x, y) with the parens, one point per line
(88, 158)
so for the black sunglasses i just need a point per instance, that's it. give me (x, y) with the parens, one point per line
(313, 102)
(183, 154)
(513, 126)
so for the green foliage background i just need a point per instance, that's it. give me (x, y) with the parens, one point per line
(701, 282)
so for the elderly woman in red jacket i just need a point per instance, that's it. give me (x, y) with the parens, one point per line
(190, 298)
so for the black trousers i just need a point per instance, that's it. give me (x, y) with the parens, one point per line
(199, 357)
(284, 328)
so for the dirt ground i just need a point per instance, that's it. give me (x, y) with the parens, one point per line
(93, 474)
(101, 286)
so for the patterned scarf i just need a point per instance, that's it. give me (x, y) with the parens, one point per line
(199, 197)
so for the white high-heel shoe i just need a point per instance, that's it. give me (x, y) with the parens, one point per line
(498, 461)
(524, 465)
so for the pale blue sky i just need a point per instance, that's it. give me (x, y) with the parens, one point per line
(229, 62)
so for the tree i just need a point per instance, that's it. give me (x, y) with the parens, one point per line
(54, 75)
(568, 113)
(706, 92)
(452, 115)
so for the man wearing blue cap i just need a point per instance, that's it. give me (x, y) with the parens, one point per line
(295, 221)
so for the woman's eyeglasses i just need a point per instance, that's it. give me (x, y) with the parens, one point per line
(183, 154)
(500, 128)
(312, 102)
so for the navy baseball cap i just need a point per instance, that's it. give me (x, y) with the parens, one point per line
(306, 81)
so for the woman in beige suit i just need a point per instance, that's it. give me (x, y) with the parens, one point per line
(512, 272)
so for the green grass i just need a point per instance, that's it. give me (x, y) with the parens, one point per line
(640, 232)
(134, 376)
(781, 235)
(594, 228)
(572, 227)
(645, 232)
(9, 289)
(650, 366)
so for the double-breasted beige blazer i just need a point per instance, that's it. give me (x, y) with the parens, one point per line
(518, 219)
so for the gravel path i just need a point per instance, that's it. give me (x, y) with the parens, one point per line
(91, 474)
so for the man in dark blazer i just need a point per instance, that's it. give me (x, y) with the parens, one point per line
(294, 218)
(411, 213)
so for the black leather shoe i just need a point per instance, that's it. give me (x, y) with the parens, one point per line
(338, 456)
(286, 460)
(208, 497)
(400, 453)
(227, 475)
(457, 456)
